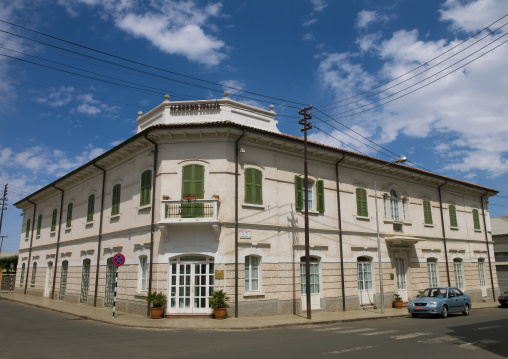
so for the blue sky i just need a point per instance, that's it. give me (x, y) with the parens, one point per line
(314, 52)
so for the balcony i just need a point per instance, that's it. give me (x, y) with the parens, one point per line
(195, 211)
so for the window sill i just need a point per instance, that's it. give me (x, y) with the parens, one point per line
(406, 223)
(388, 220)
(140, 295)
(38, 236)
(115, 216)
(428, 225)
(52, 232)
(362, 218)
(253, 294)
(252, 205)
(68, 229)
(89, 223)
(478, 231)
(144, 207)
(454, 228)
(311, 211)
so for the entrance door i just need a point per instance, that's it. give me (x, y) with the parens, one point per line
(481, 270)
(365, 293)
(315, 293)
(49, 280)
(191, 281)
(401, 269)
(109, 290)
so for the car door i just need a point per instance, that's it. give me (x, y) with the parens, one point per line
(455, 300)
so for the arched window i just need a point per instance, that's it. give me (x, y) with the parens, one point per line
(68, 224)
(27, 231)
(39, 224)
(394, 205)
(432, 272)
(459, 276)
(85, 280)
(252, 267)
(63, 280)
(53, 220)
(143, 266)
(22, 277)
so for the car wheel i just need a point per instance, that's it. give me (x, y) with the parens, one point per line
(466, 310)
(444, 313)
(414, 315)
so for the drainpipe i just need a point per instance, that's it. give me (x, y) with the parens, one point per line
(488, 249)
(153, 218)
(31, 241)
(99, 240)
(237, 174)
(340, 235)
(444, 233)
(57, 241)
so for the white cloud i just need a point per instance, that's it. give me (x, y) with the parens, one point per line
(176, 27)
(231, 85)
(57, 97)
(310, 22)
(318, 5)
(308, 36)
(468, 106)
(472, 16)
(366, 17)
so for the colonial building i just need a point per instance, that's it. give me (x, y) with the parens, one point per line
(209, 195)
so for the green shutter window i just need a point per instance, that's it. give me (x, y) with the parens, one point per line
(193, 181)
(476, 219)
(27, 228)
(361, 203)
(253, 186)
(320, 187)
(298, 192)
(427, 212)
(69, 215)
(453, 215)
(39, 224)
(146, 188)
(91, 205)
(53, 220)
(115, 202)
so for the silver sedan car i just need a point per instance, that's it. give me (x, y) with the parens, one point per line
(440, 301)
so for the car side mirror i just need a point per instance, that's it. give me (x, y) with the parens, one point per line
(418, 295)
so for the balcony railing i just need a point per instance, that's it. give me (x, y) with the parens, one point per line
(197, 210)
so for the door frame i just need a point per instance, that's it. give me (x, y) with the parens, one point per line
(366, 293)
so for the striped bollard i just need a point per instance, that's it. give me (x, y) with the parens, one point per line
(118, 260)
(10, 287)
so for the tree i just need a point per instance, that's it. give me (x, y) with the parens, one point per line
(5, 263)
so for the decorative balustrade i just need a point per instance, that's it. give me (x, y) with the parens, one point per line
(197, 210)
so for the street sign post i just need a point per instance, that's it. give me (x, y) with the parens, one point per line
(118, 260)
(10, 287)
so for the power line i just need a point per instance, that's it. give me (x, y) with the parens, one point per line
(416, 68)
(149, 66)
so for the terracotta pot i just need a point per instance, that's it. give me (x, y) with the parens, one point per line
(165, 198)
(156, 313)
(219, 313)
(397, 304)
(189, 196)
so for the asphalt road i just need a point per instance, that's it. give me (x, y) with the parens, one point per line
(30, 332)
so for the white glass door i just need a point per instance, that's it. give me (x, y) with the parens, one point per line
(365, 292)
(481, 270)
(191, 283)
(400, 269)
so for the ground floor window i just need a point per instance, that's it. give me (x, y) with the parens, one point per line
(143, 263)
(314, 276)
(432, 272)
(63, 280)
(459, 277)
(364, 268)
(251, 273)
(85, 280)
(34, 273)
(22, 276)
(481, 271)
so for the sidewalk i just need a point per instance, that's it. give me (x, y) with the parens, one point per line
(105, 315)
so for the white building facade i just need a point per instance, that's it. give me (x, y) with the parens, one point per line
(209, 195)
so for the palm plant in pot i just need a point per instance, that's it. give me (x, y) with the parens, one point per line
(397, 301)
(218, 301)
(158, 301)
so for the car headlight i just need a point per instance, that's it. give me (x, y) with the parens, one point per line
(433, 303)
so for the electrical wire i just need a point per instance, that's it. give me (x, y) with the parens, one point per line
(416, 68)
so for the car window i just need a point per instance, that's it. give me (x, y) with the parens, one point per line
(457, 292)
(434, 292)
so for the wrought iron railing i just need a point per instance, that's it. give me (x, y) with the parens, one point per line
(189, 209)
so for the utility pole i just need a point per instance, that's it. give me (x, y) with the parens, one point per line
(4, 199)
(306, 126)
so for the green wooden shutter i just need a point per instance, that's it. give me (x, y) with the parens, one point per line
(258, 187)
(39, 224)
(69, 215)
(91, 205)
(476, 219)
(146, 187)
(298, 192)
(53, 220)
(453, 215)
(427, 212)
(193, 181)
(320, 187)
(27, 228)
(361, 203)
(115, 202)
(249, 184)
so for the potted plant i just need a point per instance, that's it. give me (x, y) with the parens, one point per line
(165, 197)
(218, 301)
(397, 301)
(158, 301)
(188, 197)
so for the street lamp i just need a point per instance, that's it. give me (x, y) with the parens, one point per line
(399, 160)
